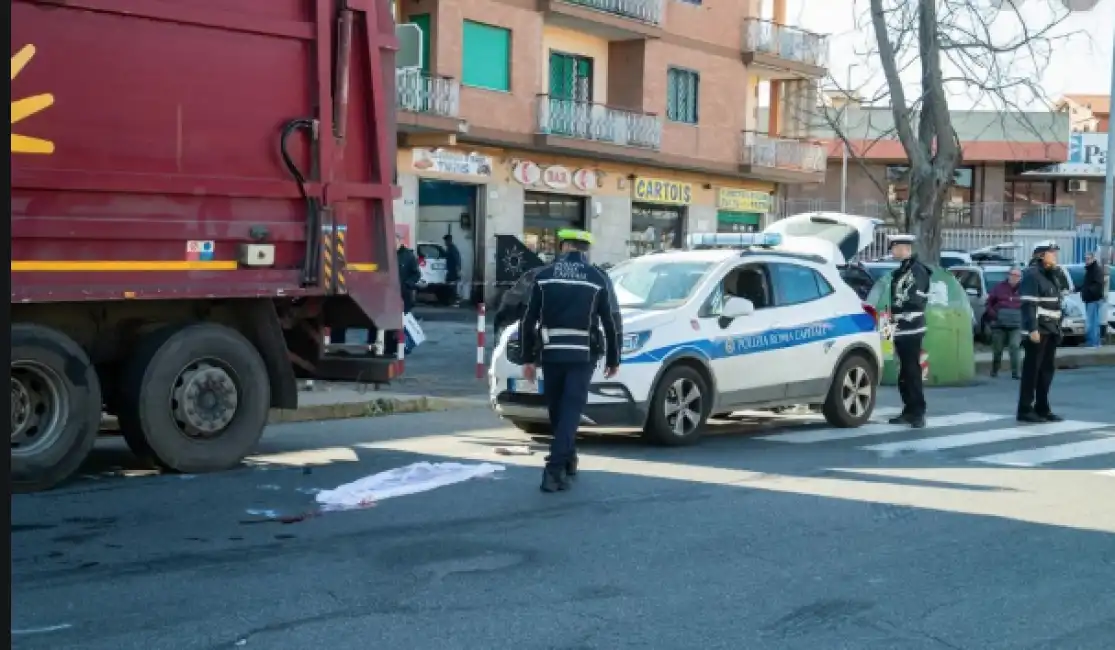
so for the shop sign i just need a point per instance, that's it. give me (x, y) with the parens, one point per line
(743, 201)
(584, 180)
(1087, 157)
(444, 161)
(654, 190)
(526, 172)
(557, 177)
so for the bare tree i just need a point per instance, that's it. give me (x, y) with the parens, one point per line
(990, 52)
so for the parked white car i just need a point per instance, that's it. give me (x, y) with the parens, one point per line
(433, 265)
(765, 324)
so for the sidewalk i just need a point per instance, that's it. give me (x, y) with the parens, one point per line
(1067, 358)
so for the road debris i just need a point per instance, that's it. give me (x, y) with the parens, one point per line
(521, 450)
(402, 481)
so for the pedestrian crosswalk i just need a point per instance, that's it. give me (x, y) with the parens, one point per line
(978, 437)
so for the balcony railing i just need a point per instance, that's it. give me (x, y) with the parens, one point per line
(647, 11)
(588, 121)
(760, 150)
(784, 42)
(421, 92)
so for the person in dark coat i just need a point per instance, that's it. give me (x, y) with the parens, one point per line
(1041, 328)
(1092, 294)
(409, 274)
(1004, 312)
(452, 266)
(909, 298)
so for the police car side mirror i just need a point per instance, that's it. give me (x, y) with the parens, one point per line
(736, 307)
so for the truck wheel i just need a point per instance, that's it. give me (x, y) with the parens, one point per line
(195, 398)
(56, 407)
(679, 408)
(851, 397)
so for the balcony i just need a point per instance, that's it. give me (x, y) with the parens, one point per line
(609, 19)
(428, 103)
(781, 52)
(782, 160)
(584, 126)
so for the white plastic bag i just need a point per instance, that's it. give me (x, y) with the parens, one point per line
(401, 481)
(414, 334)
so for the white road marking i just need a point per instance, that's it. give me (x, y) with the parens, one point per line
(1107, 472)
(986, 437)
(43, 630)
(827, 435)
(1053, 454)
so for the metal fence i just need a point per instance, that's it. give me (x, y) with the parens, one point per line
(1074, 245)
(972, 215)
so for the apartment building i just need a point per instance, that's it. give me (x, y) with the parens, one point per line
(1013, 172)
(634, 119)
(1087, 113)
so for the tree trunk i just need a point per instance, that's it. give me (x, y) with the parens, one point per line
(924, 212)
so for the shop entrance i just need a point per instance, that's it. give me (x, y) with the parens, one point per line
(655, 228)
(447, 208)
(544, 215)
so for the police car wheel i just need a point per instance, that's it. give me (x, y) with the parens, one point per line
(679, 408)
(851, 397)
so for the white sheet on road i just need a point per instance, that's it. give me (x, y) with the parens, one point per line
(412, 479)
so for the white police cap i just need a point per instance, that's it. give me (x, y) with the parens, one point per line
(1047, 245)
(901, 239)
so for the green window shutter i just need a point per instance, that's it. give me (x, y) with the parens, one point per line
(682, 90)
(423, 22)
(486, 56)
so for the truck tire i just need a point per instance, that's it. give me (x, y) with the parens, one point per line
(683, 386)
(56, 407)
(195, 398)
(851, 398)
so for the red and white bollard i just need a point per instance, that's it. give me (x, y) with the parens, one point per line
(326, 339)
(924, 361)
(481, 326)
(400, 351)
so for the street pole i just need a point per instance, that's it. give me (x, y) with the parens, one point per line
(844, 157)
(1109, 177)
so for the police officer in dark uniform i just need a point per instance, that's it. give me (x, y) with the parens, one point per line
(909, 296)
(1041, 290)
(568, 301)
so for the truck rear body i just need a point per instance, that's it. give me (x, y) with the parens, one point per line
(230, 162)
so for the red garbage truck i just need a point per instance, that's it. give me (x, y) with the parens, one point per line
(201, 192)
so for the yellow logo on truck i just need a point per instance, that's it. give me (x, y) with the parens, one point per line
(27, 107)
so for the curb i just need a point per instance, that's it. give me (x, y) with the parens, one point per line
(1102, 357)
(374, 408)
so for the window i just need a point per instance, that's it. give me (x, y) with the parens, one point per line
(423, 22)
(486, 57)
(969, 280)
(751, 282)
(570, 77)
(682, 89)
(796, 284)
(647, 283)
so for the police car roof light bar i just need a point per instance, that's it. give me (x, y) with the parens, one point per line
(732, 240)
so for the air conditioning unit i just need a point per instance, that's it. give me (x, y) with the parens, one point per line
(1076, 185)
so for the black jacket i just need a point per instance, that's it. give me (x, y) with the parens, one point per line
(452, 263)
(568, 301)
(1092, 289)
(1041, 299)
(909, 296)
(513, 303)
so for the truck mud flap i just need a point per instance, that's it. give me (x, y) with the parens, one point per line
(367, 370)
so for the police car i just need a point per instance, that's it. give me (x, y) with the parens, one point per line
(738, 321)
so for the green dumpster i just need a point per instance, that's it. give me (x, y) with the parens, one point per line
(948, 356)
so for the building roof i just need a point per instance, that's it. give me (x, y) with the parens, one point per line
(1098, 104)
(986, 136)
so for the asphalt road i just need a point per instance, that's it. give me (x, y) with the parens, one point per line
(752, 540)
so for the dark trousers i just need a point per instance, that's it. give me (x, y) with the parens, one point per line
(566, 388)
(1038, 367)
(908, 351)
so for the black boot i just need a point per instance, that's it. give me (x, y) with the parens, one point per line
(917, 421)
(571, 467)
(554, 480)
(1030, 417)
(1050, 417)
(994, 371)
(901, 418)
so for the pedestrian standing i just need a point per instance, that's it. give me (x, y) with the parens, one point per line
(452, 266)
(568, 301)
(1004, 311)
(409, 273)
(1092, 295)
(909, 296)
(1041, 328)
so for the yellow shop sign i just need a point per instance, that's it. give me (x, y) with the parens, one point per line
(654, 190)
(743, 201)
